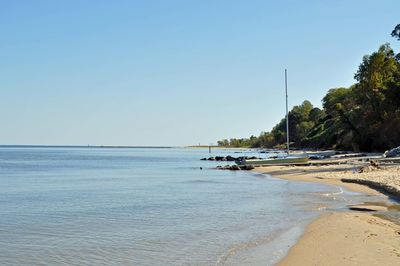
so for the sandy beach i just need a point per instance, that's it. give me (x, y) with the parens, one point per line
(346, 238)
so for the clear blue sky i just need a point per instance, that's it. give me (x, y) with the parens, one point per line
(174, 72)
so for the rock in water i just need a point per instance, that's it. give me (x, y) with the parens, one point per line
(230, 158)
(234, 168)
(247, 167)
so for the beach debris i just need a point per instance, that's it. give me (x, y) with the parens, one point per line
(392, 153)
(363, 209)
(348, 155)
(365, 169)
(373, 165)
(368, 207)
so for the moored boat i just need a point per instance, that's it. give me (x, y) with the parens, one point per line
(275, 161)
(289, 159)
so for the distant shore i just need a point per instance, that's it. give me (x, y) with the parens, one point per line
(347, 238)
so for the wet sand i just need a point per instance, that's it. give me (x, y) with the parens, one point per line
(351, 238)
(344, 238)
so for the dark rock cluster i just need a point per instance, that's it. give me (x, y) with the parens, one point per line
(235, 167)
(228, 158)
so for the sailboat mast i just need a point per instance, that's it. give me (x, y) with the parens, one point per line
(287, 114)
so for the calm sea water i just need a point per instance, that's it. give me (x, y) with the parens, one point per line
(91, 206)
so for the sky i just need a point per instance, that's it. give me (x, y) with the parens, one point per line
(174, 72)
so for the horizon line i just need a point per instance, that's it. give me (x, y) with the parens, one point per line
(80, 146)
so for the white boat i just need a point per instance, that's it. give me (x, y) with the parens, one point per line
(275, 161)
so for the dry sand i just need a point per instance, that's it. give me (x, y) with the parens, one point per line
(347, 239)
(344, 238)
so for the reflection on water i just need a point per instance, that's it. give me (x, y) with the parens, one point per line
(148, 207)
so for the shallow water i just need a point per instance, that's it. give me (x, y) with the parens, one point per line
(138, 206)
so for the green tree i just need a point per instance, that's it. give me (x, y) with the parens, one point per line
(364, 117)
(377, 94)
(396, 32)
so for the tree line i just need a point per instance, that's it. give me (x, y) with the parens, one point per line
(363, 117)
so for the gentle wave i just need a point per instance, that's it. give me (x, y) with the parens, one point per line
(147, 207)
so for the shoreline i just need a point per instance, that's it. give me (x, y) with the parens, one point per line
(343, 238)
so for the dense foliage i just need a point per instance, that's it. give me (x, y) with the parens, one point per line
(364, 117)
